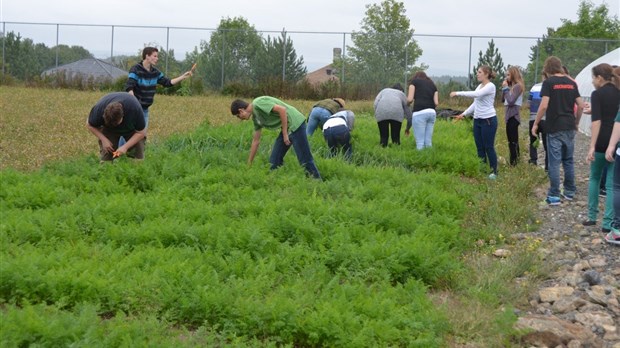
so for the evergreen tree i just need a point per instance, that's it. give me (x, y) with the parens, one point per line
(269, 63)
(492, 58)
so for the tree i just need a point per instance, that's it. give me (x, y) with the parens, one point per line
(570, 41)
(268, 64)
(492, 58)
(384, 51)
(24, 59)
(69, 54)
(230, 53)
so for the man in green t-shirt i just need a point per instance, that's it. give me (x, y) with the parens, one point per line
(272, 113)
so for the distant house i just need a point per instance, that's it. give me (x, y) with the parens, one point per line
(322, 75)
(92, 69)
(326, 73)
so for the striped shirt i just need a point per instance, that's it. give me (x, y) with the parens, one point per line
(143, 83)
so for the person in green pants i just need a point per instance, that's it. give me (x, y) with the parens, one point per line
(604, 106)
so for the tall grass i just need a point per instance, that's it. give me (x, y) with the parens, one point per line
(193, 247)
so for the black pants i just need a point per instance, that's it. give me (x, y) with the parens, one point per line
(543, 137)
(512, 133)
(387, 126)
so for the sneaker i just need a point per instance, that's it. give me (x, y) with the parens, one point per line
(551, 200)
(613, 237)
(568, 197)
(589, 223)
(602, 193)
(492, 176)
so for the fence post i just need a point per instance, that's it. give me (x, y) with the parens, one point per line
(57, 30)
(536, 65)
(283, 54)
(223, 47)
(3, 47)
(167, 47)
(405, 73)
(344, 37)
(469, 64)
(112, 46)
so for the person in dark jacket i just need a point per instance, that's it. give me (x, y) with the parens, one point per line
(144, 78)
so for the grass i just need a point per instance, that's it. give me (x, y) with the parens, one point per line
(192, 247)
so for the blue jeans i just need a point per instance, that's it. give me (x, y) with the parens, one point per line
(484, 137)
(122, 140)
(317, 117)
(299, 141)
(338, 136)
(423, 125)
(561, 146)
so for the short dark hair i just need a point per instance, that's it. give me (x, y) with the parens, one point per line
(147, 51)
(112, 114)
(398, 86)
(236, 105)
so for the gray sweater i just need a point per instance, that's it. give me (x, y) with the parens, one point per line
(391, 104)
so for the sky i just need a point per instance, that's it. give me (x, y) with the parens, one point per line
(188, 19)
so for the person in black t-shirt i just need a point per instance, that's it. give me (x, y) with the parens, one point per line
(115, 115)
(603, 108)
(425, 98)
(559, 94)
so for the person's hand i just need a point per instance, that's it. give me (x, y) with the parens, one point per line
(535, 130)
(587, 108)
(107, 145)
(458, 118)
(407, 132)
(120, 151)
(287, 141)
(452, 94)
(609, 154)
(590, 155)
(505, 83)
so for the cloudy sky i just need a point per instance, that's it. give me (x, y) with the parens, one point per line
(188, 19)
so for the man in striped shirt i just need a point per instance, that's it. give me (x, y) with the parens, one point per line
(144, 78)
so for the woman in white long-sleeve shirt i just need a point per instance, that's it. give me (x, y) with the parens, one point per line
(485, 117)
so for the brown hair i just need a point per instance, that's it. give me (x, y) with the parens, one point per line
(516, 78)
(113, 114)
(605, 71)
(422, 76)
(487, 70)
(553, 65)
(617, 76)
(147, 51)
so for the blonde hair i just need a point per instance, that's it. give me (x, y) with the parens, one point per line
(516, 78)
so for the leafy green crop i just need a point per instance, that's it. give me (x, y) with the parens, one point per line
(193, 247)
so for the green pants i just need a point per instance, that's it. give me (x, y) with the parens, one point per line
(596, 169)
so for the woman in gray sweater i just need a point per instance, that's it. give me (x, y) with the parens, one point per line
(390, 110)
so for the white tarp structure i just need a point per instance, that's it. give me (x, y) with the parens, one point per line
(584, 82)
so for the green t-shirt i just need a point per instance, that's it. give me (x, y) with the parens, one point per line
(263, 115)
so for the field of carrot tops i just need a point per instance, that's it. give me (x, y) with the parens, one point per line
(191, 247)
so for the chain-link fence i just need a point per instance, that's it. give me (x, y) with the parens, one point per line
(447, 56)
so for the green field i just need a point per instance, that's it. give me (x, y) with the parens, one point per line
(191, 247)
